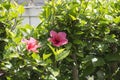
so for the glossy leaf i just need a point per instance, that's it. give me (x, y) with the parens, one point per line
(46, 56)
(62, 55)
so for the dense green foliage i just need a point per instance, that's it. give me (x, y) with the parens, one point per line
(93, 49)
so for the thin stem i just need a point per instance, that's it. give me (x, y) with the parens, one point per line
(53, 4)
(75, 68)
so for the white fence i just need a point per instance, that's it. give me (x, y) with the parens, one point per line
(31, 15)
(35, 2)
(32, 12)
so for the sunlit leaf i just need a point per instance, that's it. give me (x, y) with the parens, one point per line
(52, 49)
(73, 18)
(21, 9)
(62, 55)
(10, 32)
(54, 71)
(36, 56)
(45, 56)
(59, 51)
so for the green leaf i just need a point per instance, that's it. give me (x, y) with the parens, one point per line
(79, 32)
(17, 39)
(21, 9)
(11, 55)
(6, 5)
(112, 57)
(54, 71)
(8, 78)
(10, 33)
(59, 51)
(45, 56)
(80, 54)
(77, 41)
(52, 49)
(111, 38)
(83, 22)
(72, 17)
(100, 75)
(98, 62)
(14, 55)
(117, 20)
(62, 55)
(88, 70)
(68, 46)
(36, 56)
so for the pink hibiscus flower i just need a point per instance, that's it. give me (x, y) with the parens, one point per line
(31, 44)
(58, 39)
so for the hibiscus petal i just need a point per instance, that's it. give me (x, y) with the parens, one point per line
(63, 41)
(34, 49)
(32, 40)
(53, 33)
(57, 45)
(62, 35)
(31, 44)
(49, 39)
(24, 40)
(58, 39)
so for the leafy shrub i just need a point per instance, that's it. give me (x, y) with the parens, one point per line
(89, 48)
